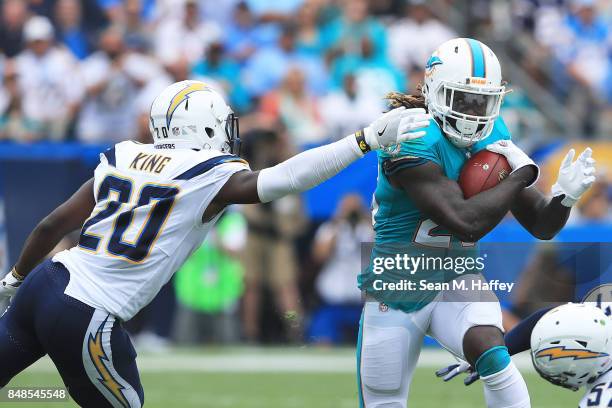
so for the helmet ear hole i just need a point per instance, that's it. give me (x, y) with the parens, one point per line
(210, 132)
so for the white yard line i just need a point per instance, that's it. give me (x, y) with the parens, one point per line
(263, 361)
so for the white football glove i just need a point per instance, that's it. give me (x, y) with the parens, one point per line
(575, 177)
(9, 285)
(515, 156)
(396, 126)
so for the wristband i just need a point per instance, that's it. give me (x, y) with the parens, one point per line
(361, 142)
(568, 201)
(16, 274)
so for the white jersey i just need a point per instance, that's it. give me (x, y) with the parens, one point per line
(147, 221)
(599, 393)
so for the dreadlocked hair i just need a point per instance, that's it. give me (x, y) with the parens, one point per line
(398, 99)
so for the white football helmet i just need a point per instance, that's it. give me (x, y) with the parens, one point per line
(463, 90)
(192, 115)
(571, 345)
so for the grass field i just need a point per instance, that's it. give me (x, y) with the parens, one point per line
(284, 378)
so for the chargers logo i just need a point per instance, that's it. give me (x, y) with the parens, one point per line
(555, 353)
(98, 357)
(182, 96)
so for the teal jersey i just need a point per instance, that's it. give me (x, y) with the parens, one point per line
(398, 223)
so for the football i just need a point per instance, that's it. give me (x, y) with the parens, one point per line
(483, 171)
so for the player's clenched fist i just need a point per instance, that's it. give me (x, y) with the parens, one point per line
(575, 177)
(396, 126)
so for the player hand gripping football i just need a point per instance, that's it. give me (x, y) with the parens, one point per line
(394, 127)
(517, 158)
(312, 167)
(575, 177)
(9, 284)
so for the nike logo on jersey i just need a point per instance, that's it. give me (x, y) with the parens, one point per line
(153, 163)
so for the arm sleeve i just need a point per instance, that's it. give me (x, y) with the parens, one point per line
(307, 169)
(519, 338)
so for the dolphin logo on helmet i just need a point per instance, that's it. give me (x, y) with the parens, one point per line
(432, 62)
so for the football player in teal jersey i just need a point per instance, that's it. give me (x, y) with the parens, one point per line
(419, 212)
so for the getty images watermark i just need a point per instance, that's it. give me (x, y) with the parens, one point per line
(415, 274)
(421, 264)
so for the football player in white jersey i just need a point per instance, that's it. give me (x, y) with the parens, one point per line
(570, 346)
(147, 208)
(599, 392)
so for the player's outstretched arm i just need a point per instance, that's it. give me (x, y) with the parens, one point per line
(314, 166)
(544, 216)
(48, 233)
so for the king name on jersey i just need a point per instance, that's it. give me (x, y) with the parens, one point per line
(153, 163)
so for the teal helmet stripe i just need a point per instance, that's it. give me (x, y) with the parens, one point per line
(478, 60)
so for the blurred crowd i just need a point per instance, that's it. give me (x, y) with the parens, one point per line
(317, 69)
(298, 72)
(578, 46)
